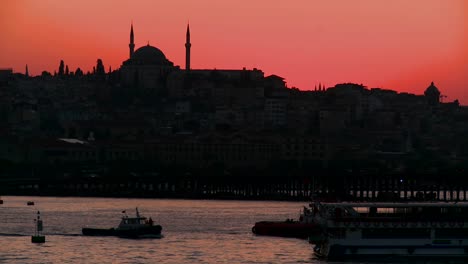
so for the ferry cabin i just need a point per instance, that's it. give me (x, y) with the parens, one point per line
(393, 229)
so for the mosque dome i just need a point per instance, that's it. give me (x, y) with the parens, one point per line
(149, 55)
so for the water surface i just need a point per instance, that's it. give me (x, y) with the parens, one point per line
(195, 231)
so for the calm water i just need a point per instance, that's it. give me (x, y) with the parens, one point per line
(195, 231)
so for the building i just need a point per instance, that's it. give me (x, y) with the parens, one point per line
(432, 94)
(146, 68)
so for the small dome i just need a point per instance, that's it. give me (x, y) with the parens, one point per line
(149, 55)
(432, 90)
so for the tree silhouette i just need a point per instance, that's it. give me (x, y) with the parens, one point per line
(100, 68)
(78, 72)
(46, 74)
(61, 68)
(66, 70)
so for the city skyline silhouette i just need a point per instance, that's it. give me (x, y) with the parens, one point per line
(373, 44)
(220, 119)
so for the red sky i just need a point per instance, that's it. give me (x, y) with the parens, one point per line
(401, 45)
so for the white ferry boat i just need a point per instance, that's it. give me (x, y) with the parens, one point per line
(393, 230)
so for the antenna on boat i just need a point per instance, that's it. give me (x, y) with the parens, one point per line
(38, 237)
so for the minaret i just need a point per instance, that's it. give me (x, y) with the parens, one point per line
(187, 49)
(132, 44)
(27, 71)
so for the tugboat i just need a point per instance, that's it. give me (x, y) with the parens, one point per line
(305, 227)
(129, 227)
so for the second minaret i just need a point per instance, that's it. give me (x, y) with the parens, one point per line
(187, 49)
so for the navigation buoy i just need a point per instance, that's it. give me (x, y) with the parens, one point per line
(38, 237)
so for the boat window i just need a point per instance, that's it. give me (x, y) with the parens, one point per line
(382, 233)
(400, 211)
(351, 211)
(360, 209)
(386, 211)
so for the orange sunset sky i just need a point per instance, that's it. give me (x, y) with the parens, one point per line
(399, 44)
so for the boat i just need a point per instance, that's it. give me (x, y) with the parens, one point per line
(129, 227)
(30, 203)
(305, 227)
(393, 231)
(38, 237)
